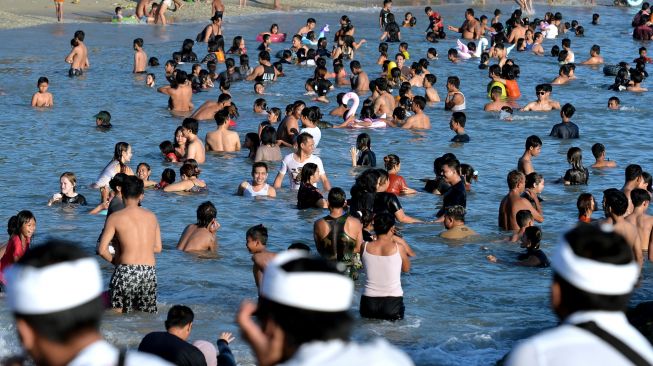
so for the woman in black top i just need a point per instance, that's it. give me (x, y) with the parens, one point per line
(385, 202)
(578, 174)
(68, 194)
(308, 195)
(392, 32)
(362, 155)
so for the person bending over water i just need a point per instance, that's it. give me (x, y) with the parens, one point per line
(259, 185)
(68, 194)
(42, 98)
(534, 256)
(189, 182)
(200, 237)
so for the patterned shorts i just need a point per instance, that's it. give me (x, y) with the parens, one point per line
(133, 288)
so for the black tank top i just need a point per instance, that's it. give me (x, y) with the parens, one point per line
(268, 73)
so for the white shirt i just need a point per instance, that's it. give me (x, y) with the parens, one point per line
(315, 132)
(337, 352)
(570, 345)
(101, 353)
(295, 167)
(551, 32)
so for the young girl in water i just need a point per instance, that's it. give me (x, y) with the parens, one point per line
(122, 154)
(143, 172)
(68, 194)
(180, 143)
(362, 154)
(586, 206)
(578, 174)
(397, 183)
(534, 256)
(308, 195)
(20, 228)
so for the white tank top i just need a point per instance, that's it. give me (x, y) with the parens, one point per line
(459, 107)
(383, 274)
(249, 191)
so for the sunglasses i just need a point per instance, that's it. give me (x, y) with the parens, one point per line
(541, 93)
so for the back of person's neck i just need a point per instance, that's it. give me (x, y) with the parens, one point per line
(59, 354)
(180, 332)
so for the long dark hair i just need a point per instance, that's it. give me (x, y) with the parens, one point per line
(118, 150)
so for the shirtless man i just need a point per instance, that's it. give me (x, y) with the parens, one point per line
(136, 237)
(563, 75)
(264, 71)
(497, 103)
(634, 180)
(222, 139)
(194, 146)
(543, 103)
(513, 202)
(595, 56)
(537, 48)
(200, 237)
(615, 204)
(430, 93)
(454, 222)
(257, 240)
(141, 9)
(42, 98)
(140, 57)
(337, 233)
(644, 222)
(470, 29)
(419, 120)
(217, 7)
(180, 93)
(310, 25)
(76, 58)
(209, 108)
(384, 104)
(360, 83)
(533, 148)
(518, 31)
(598, 150)
(79, 36)
(455, 100)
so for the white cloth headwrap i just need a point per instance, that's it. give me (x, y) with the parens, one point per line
(593, 276)
(318, 291)
(53, 288)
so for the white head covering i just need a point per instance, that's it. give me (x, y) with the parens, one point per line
(58, 287)
(593, 276)
(318, 291)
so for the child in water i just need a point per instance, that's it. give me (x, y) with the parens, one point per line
(42, 98)
(20, 228)
(150, 80)
(534, 256)
(167, 177)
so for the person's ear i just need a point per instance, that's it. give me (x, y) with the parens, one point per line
(556, 297)
(26, 334)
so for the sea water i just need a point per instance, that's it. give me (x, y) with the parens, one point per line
(460, 309)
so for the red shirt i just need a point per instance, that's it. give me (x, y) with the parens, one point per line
(13, 252)
(397, 184)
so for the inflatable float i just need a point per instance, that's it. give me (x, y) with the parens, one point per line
(365, 123)
(274, 38)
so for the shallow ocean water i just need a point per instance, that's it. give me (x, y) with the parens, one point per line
(460, 309)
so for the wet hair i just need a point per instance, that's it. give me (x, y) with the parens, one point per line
(235, 45)
(264, 55)
(190, 124)
(179, 316)
(132, 187)
(117, 181)
(459, 118)
(138, 42)
(268, 136)
(534, 235)
(523, 217)
(118, 150)
(261, 103)
(456, 212)
(383, 222)
(453, 80)
(580, 31)
(399, 113)
(595, 18)
(206, 212)
(638, 196)
(566, 42)
(562, 55)
(72, 178)
(391, 161)
(485, 58)
(432, 79)
(313, 114)
(61, 326)
(532, 141)
(468, 172)
(568, 110)
(598, 149)
(555, 50)
(168, 175)
(633, 171)
(80, 35)
(514, 178)
(259, 164)
(584, 203)
(616, 201)
(337, 197)
(42, 80)
(276, 111)
(258, 233)
(452, 52)
(590, 242)
(432, 51)
(575, 158)
(533, 179)
(189, 170)
(363, 141)
(16, 222)
(307, 172)
(167, 147)
(419, 101)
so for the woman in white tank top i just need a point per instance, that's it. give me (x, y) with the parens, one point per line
(384, 259)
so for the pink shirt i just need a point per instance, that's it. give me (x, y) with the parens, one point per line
(13, 252)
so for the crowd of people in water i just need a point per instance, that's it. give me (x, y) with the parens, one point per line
(359, 232)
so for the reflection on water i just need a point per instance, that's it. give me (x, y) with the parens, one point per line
(460, 308)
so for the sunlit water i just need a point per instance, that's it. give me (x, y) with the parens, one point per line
(460, 308)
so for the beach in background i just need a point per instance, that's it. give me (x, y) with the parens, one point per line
(27, 13)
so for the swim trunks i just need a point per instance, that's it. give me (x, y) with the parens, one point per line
(75, 72)
(133, 288)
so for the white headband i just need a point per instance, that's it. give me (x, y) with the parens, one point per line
(318, 291)
(54, 288)
(593, 276)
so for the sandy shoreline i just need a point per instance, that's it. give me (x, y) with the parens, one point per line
(27, 13)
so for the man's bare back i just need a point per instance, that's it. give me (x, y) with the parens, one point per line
(197, 239)
(510, 205)
(222, 140)
(138, 234)
(630, 232)
(206, 111)
(195, 151)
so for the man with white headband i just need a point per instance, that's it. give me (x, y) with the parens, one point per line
(303, 312)
(594, 276)
(55, 294)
